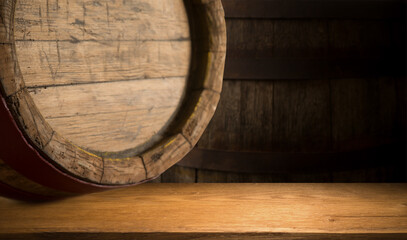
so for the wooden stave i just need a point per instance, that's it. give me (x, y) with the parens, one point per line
(208, 155)
(206, 88)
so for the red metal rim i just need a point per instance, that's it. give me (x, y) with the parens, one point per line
(19, 154)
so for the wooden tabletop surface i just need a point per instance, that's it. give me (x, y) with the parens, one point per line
(216, 211)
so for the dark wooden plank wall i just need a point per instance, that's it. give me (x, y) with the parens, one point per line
(291, 64)
(180, 174)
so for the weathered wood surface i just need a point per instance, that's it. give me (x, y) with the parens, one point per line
(216, 211)
(106, 82)
(112, 92)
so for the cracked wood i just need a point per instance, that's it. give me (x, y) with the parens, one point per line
(111, 92)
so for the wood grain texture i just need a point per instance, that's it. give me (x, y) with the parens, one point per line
(306, 38)
(268, 162)
(243, 120)
(226, 121)
(209, 236)
(305, 9)
(276, 211)
(314, 48)
(112, 116)
(213, 176)
(57, 52)
(372, 121)
(301, 116)
(109, 90)
(244, 38)
(93, 20)
(278, 116)
(384, 174)
(218, 170)
(309, 93)
(297, 125)
(58, 63)
(179, 174)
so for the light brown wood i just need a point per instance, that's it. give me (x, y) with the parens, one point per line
(88, 72)
(113, 92)
(279, 211)
(89, 20)
(112, 116)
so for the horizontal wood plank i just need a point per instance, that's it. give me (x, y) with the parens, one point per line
(291, 162)
(314, 48)
(111, 116)
(272, 211)
(77, 20)
(205, 236)
(359, 9)
(279, 68)
(45, 64)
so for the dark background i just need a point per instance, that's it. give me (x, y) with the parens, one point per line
(314, 91)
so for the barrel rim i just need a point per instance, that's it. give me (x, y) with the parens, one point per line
(208, 35)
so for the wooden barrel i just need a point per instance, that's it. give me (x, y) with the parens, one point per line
(309, 86)
(103, 94)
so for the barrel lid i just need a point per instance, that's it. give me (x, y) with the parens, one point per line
(112, 92)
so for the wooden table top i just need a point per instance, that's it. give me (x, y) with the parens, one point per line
(216, 211)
